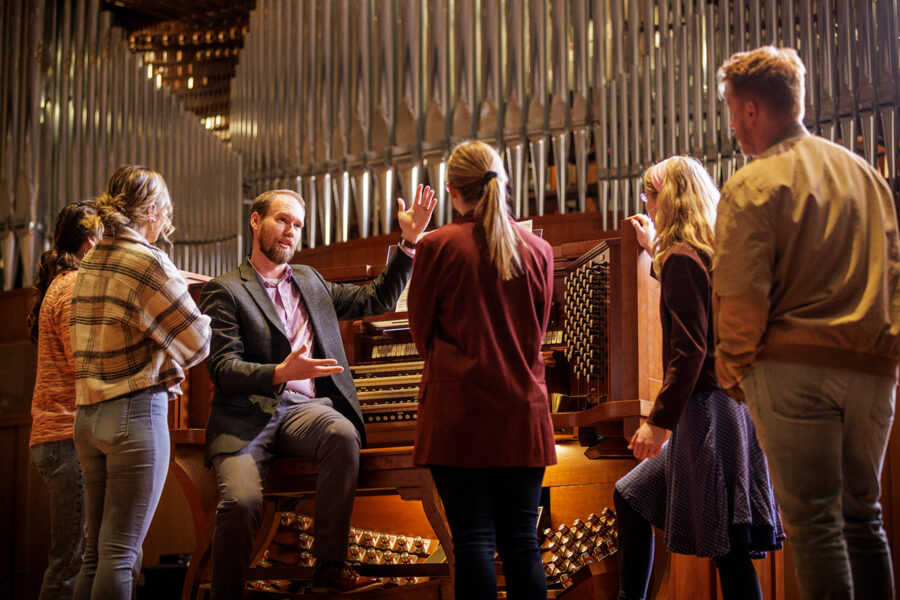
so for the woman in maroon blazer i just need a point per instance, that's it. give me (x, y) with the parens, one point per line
(479, 302)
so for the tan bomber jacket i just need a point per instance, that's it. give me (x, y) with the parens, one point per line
(807, 262)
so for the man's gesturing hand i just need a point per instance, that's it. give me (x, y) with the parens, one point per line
(298, 366)
(414, 220)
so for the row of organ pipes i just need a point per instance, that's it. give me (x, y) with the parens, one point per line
(77, 103)
(355, 102)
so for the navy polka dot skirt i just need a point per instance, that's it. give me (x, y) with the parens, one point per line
(709, 487)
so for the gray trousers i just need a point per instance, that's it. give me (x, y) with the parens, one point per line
(825, 433)
(310, 429)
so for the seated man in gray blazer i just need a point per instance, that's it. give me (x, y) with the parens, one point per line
(282, 384)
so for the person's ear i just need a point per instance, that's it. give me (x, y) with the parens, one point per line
(751, 109)
(254, 221)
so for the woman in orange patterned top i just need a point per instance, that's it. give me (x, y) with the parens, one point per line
(76, 230)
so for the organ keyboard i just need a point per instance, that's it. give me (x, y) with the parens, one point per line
(386, 371)
(388, 392)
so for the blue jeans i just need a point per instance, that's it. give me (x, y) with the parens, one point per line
(58, 465)
(494, 508)
(825, 433)
(123, 445)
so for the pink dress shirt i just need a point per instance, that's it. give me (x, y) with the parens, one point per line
(292, 309)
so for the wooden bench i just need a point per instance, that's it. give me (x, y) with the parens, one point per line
(381, 470)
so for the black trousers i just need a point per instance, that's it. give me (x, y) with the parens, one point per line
(488, 509)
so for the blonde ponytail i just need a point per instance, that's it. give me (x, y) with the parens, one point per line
(476, 172)
(129, 193)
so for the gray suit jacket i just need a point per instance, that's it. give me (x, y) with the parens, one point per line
(248, 341)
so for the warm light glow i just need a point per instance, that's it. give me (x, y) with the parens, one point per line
(158, 81)
(149, 71)
(190, 83)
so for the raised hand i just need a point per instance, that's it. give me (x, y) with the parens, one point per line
(414, 220)
(298, 366)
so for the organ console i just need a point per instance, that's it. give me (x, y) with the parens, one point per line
(594, 291)
(603, 366)
(387, 376)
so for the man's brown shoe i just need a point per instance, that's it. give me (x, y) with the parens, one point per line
(341, 578)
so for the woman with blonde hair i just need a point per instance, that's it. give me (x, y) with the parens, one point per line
(708, 487)
(76, 230)
(479, 303)
(135, 329)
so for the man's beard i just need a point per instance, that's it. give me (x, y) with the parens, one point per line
(277, 254)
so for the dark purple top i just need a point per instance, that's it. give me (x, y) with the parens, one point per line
(685, 311)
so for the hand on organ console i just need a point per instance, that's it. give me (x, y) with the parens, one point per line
(414, 220)
(647, 441)
(646, 232)
(299, 366)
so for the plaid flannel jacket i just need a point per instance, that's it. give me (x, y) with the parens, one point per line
(133, 323)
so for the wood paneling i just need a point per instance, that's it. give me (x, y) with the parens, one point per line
(14, 307)
(557, 230)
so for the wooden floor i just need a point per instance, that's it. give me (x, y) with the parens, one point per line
(436, 589)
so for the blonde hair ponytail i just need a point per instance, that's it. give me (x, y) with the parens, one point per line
(129, 193)
(476, 172)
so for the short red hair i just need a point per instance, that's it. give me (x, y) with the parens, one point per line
(768, 75)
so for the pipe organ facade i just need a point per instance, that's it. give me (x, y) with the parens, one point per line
(77, 104)
(353, 103)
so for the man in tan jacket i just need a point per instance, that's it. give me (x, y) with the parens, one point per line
(806, 293)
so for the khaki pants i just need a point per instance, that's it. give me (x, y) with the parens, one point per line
(824, 432)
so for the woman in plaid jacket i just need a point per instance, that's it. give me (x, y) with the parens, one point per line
(135, 329)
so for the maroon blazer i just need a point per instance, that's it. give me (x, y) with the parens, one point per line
(483, 397)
